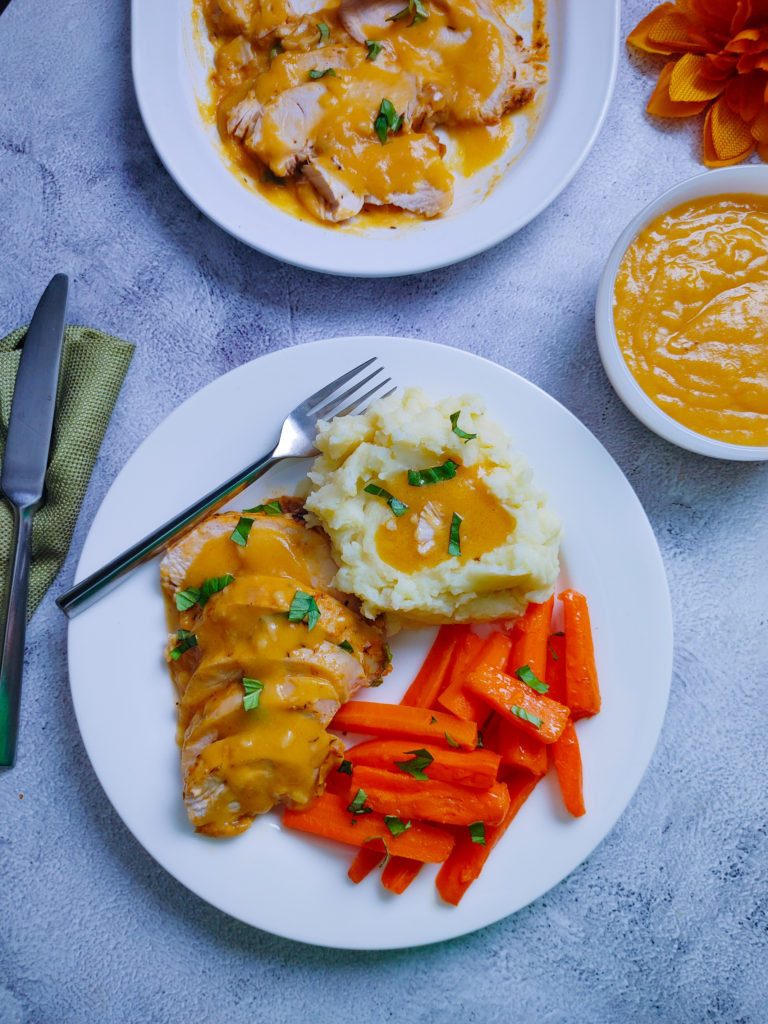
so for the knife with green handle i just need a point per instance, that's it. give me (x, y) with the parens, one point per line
(22, 482)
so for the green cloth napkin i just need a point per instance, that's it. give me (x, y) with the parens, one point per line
(93, 366)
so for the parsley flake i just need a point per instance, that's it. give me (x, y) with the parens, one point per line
(397, 506)
(419, 477)
(526, 675)
(252, 691)
(387, 120)
(477, 832)
(358, 804)
(304, 609)
(275, 51)
(324, 31)
(454, 541)
(526, 716)
(345, 767)
(240, 533)
(457, 429)
(374, 49)
(185, 641)
(314, 74)
(199, 595)
(415, 767)
(416, 8)
(555, 657)
(345, 645)
(396, 825)
(272, 508)
(450, 740)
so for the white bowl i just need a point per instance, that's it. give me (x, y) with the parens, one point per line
(752, 179)
(170, 74)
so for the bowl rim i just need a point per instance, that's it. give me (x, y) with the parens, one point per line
(751, 179)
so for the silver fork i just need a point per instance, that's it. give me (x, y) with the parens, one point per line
(297, 441)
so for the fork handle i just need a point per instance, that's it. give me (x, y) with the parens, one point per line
(14, 631)
(109, 576)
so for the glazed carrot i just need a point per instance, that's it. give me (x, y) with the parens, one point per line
(429, 681)
(534, 713)
(468, 857)
(407, 798)
(399, 721)
(515, 748)
(566, 757)
(329, 817)
(455, 697)
(564, 753)
(399, 872)
(366, 859)
(475, 768)
(530, 636)
(583, 694)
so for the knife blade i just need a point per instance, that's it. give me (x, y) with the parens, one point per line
(22, 482)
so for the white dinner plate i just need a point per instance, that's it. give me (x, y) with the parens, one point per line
(170, 77)
(289, 883)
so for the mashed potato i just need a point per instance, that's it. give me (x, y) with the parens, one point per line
(430, 525)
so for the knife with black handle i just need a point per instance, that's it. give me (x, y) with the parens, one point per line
(22, 482)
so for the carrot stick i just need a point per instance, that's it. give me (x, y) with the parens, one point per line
(531, 634)
(564, 753)
(429, 681)
(583, 693)
(329, 816)
(536, 714)
(455, 697)
(515, 748)
(467, 859)
(566, 757)
(407, 798)
(399, 721)
(399, 872)
(475, 768)
(366, 859)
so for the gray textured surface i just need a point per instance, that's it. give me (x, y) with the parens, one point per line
(666, 921)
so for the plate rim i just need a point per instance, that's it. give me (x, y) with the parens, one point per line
(358, 255)
(639, 766)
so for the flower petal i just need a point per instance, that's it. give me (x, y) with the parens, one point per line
(686, 84)
(727, 140)
(660, 103)
(664, 30)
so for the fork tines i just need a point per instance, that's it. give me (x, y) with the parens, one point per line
(332, 406)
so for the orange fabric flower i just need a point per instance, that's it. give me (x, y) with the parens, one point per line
(720, 51)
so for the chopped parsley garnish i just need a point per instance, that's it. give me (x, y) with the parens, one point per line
(345, 768)
(387, 655)
(397, 506)
(526, 716)
(240, 533)
(416, 8)
(421, 759)
(479, 740)
(275, 51)
(450, 740)
(314, 74)
(419, 477)
(358, 804)
(526, 675)
(199, 595)
(454, 541)
(555, 657)
(374, 49)
(387, 120)
(272, 508)
(252, 691)
(477, 832)
(432, 720)
(185, 641)
(376, 682)
(324, 31)
(396, 825)
(457, 429)
(345, 645)
(304, 609)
